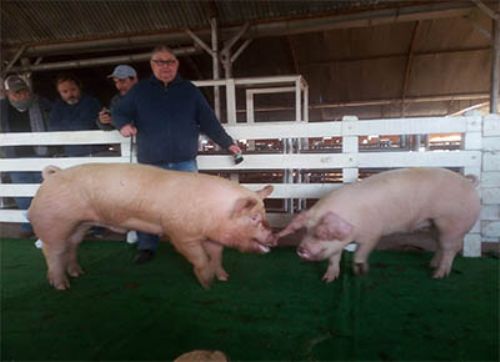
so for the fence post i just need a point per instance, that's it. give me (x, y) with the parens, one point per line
(350, 145)
(490, 181)
(473, 141)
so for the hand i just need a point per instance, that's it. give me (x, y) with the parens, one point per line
(235, 149)
(128, 130)
(105, 116)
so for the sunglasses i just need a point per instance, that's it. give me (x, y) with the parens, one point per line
(164, 62)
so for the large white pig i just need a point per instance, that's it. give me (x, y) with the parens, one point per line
(199, 213)
(390, 202)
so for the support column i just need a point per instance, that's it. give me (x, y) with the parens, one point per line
(215, 65)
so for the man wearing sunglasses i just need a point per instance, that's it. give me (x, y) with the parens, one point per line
(167, 114)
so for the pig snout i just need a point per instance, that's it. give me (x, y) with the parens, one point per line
(272, 240)
(264, 245)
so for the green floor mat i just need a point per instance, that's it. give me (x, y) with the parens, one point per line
(274, 308)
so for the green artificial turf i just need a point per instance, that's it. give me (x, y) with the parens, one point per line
(274, 308)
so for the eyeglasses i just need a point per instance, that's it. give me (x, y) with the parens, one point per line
(164, 62)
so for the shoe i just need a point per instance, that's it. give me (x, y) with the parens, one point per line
(24, 234)
(143, 256)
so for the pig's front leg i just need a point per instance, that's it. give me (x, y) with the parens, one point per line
(333, 270)
(195, 253)
(360, 264)
(214, 251)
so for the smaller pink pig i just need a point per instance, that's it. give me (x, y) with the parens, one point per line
(199, 213)
(390, 202)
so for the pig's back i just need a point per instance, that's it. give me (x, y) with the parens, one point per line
(131, 187)
(401, 200)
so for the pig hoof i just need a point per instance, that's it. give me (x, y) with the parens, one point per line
(60, 285)
(360, 268)
(205, 277)
(440, 273)
(222, 275)
(328, 278)
(75, 271)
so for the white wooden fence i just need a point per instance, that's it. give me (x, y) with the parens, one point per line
(350, 160)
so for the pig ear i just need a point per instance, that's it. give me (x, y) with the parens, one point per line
(297, 223)
(243, 204)
(332, 226)
(265, 192)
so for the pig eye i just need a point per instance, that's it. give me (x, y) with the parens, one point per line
(255, 218)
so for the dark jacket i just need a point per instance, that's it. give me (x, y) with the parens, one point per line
(169, 120)
(5, 126)
(77, 117)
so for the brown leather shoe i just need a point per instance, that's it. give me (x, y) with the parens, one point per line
(143, 256)
(23, 234)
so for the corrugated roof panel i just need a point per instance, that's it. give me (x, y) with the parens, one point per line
(56, 21)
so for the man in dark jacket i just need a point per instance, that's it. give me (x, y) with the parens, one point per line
(167, 113)
(23, 111)
(75, 111)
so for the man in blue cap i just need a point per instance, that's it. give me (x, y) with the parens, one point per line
(124, 77)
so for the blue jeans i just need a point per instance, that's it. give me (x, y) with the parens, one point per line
(23, 203)
(150, 241)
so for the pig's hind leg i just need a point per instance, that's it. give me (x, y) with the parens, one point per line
(72, 266)
(55, 257)
(449, 244)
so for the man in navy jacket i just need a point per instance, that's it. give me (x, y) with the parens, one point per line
(74, 111)
(167, 113)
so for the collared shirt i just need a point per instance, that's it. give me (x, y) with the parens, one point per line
(169, 120)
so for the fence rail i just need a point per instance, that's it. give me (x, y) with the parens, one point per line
(349, 161)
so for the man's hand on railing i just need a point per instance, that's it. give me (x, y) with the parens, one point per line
(128, 130)
(237, 153)
(234, 149)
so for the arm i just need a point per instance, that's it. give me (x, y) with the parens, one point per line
(125, 110)
(104, 120)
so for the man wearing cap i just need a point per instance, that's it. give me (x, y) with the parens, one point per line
(167, 113)
(23, 111)
(124, 77)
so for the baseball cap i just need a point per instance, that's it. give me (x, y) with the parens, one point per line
(123, 71)
(15, 83)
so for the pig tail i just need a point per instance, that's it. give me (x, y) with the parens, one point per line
(49, 170)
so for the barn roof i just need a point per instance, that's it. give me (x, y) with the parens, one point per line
(362, 57)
